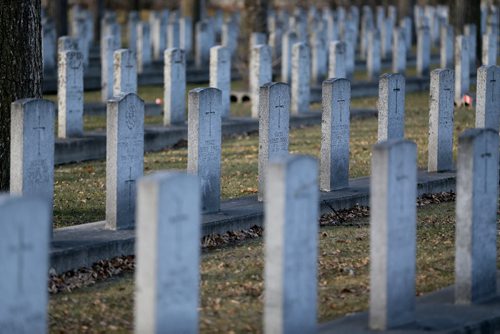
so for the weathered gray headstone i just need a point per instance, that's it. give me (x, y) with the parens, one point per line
(391, 107)
(407, 26)
(32, 148)
(476, 208)
(49, 45)
(144, 56)
(204, 143)
(24, 258)
(124, 159)
(447, 50)
(107, 76)
(393, 192)
(70, 94)
(291, 246)
(334, 172)
(462, 70)
(399, 51)
(159, 24)
(125, 72)
(133, 20)
(319, 58)
(174, 35)
(220, 75)
(423, 51)
(488, 97)
(489, 52)
(260, 73)
(167, 253)
(204, 41)
(274, 118)
(387, 39)
(301, 78)
(257, 38)
(186, 33)
(337, 60)
(373, 62)
(175, 87)
(289, 39)
(66, 43)
(441, 120)
(470, 31)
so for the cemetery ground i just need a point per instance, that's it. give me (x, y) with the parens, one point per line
(80, 188)
(232, 276)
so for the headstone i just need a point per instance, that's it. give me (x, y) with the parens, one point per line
(174, 35)
(319, 61)
(391, 107)
(107, 76)
(32, 149)
(447, 51)
(350, 48)
(399, 51)
(133, 20)
(275, 38)
(366, 26)
(114, 30)
(24, 258)
(204, 41)
(289, 39)
(204, 144)
(441, 120)
(291, 246)
(260, 73)
(66, 43)
(423, 51)
(387, 31)
(476, 207)
(70, 94)
(490, 47)
(144, 57)
(49, 47)
(407, 26)
(167, 253)
(230, 37)
(220, 75)
(393, 193)
(301, 78)
(373, 62)
(257, 38)
(337, 60)
(124, 159)
(488, 98)
(186, 33)
(83, 36)
(175, 87)
(158, 21)
(462, 74)
(274, 118)
(125, 72)
(470, 30)
(334, 172)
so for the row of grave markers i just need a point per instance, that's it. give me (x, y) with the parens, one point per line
(169, 207)
(32, 166)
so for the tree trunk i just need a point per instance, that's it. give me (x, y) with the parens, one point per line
(466, 12)
(20, 66)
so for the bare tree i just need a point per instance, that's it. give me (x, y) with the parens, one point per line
(20, 66)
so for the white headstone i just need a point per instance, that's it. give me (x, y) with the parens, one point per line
(175, 87)
(125, 72)
(174, 35)
(289, 39)
(220, 75)
(490, 47)
(70, 94)
(373, 62)
(462, 73)
(107, 59)
(399, 51)
(447, 50)
(301, 78)
(391, 107)
(260, 73)
(144, 56)
(488, 97)
(337, 60)
(423, 51)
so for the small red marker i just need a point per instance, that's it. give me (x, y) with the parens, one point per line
(467, 100)
(158, 101)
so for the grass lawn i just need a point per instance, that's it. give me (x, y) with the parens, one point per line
(232, 279)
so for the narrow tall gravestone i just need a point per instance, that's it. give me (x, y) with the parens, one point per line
(490, 47)
(447, 51)
(168, 253)
(373, 62)
(24, 258)
(174, 109)
(476, 210)
(107, 57)
(462, 70)
(289, 39)
(274, 118)
(260, 73)
(423, 51)
(334, 172)
(291, 246)
(441, 120)
(70, 94)
(204, 143)
(488, 97)
(124, 159)
(125, 72)
(301, 78)
(144, 54)
(393, 195)
(399, 51)
(32, 149)
(391, 107)
(337, 64)
(220, 75)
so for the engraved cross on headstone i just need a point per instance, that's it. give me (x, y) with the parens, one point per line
(128, 68)
(210, 113)
(178, 65)
(341, 108)
(396, 90)
(21, 248)
(39, 128)
(401, 176)
(177, 219)
(492, 81)
(75, 65)
(280, 106)
(130, 182)
(485, 156)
